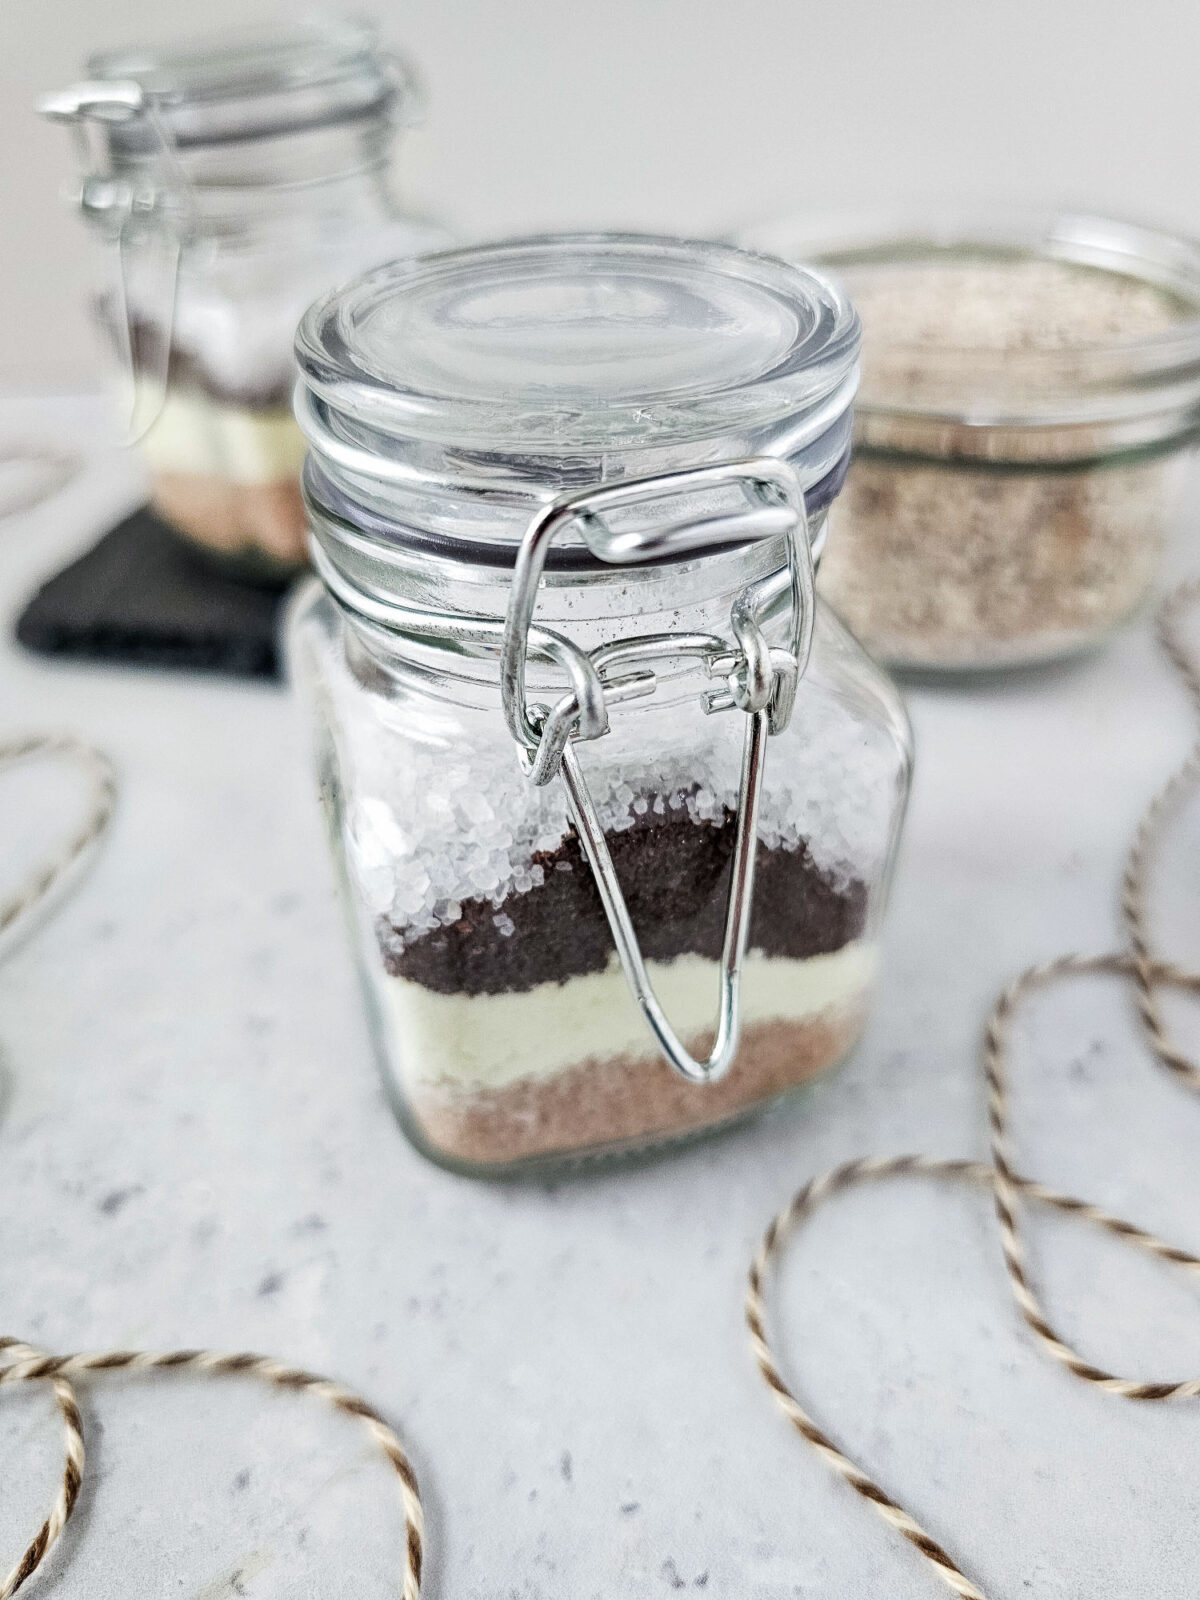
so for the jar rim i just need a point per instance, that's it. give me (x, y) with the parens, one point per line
(982, 385)
(449, 399)
(565, 344)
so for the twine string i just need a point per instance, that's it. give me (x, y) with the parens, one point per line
(18, 904)
(47, 469)
(99, 770)
(22, 1363)
(1149, 975)
(64, 1503)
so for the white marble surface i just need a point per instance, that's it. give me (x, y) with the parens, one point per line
(194, 1150)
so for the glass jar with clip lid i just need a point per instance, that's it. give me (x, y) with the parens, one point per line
(233, 179)
(615, 801)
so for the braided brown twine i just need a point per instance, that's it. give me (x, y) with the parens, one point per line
(25, 1364)
(99, 770)
(21, 1363)
(1148, 975)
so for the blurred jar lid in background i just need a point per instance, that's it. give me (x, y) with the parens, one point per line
(258, 82)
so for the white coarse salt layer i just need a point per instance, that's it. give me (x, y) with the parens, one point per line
(433, 821)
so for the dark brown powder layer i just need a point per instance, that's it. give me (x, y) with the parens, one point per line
(675, 875)
(603, 1106)
(187, 370)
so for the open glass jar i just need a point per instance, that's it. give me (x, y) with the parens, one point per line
(615, 803)
(1029, 408)
(232, 181)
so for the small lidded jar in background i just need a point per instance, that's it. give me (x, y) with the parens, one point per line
(233, 180)
(615, 801)
(1029, 407)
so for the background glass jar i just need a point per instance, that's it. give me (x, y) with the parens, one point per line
(451, 404)
(233, 180)
(1030, 401)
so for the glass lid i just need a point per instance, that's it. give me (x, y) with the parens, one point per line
(257, 81)
(574, 344)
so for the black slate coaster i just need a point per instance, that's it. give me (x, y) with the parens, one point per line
(142, 596)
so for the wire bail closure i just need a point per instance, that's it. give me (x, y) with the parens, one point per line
(759, 680)
(161, 208)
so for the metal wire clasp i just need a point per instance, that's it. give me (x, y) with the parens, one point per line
(159, 210)
(758, 679)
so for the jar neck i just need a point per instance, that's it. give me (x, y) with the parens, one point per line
(477, 503)
(239, 189)
(588, 609)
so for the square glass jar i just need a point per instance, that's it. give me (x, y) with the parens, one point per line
(460, 409)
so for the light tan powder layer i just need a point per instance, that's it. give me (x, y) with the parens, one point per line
(963, 543)
(232, 518)
(1008, 304)
(935, 566)
(601, 1105)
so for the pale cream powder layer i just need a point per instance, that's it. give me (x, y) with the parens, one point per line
(490, 1040)
(198, 435)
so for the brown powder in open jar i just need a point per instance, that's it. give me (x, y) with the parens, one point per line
(984, 521)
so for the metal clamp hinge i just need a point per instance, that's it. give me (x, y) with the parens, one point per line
(759, 679)
(158, 208)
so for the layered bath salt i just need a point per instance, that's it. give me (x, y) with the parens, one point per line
(224, 452)
(257, 166)
(508, 1024)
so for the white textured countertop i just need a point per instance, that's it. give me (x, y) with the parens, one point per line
(194, 1150)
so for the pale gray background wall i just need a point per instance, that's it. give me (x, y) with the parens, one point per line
(682, 114)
